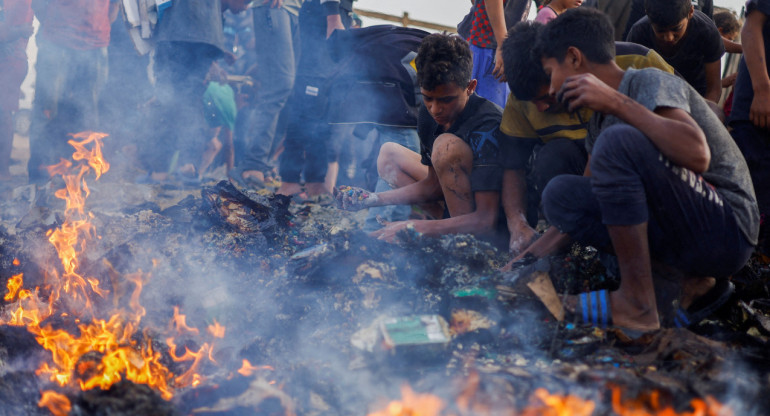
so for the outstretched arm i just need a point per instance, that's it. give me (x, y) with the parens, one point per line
(754, 54)
(480, 222)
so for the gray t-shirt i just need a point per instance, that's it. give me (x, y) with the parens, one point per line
(727, 171)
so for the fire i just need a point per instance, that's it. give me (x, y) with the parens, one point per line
(56, 403)
(412, 404)
(109, 348)
(649, 405)
(247, 369)
(558, 405)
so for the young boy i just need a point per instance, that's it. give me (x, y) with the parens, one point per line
(750, 117)
(458, 159)
(687, 39)
(667, 181)
(539, 139)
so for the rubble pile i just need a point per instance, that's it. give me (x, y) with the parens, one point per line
(334, 322)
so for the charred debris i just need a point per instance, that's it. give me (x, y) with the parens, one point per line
(342, 321)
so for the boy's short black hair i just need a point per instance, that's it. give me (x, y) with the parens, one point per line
(666, 13)
(584, 28)
(443, 58)
(521, 60)
(727, 21)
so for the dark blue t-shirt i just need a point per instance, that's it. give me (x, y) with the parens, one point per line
(700, 45)
(476, 125)
(744, 92)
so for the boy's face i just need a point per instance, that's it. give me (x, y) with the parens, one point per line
(669, 36)
(558, 72)
(447, 101)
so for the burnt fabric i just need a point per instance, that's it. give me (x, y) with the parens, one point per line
(477, 126)
(633, 183)
(700, 45)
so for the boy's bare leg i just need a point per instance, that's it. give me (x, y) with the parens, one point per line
(453, 162)
(399, 167)
(633, 304)
(330, 181)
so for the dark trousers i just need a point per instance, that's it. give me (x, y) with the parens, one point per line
(689, 227)
(305, 151)
(178, 122)
(755, 146)
(556, 157)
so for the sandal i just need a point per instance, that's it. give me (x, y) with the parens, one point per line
(593, 308)
(705, 305)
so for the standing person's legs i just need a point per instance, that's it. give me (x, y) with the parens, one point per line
(276, 31)
(488, 87)
(67, 88)
(180, 126)
(755, 146)
(12, 74)
(406, 138)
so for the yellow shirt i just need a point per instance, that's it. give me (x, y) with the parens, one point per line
(521, 119)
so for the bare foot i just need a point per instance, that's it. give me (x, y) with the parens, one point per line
(695, 287)
(623, 313)
(255, 174)
(315, 189)
(289, 189)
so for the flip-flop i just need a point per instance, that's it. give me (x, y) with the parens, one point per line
(705, 305)
(593, 308)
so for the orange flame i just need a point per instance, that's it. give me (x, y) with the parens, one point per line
(412, 404)
(247, 369)
(649, 405)
(57, 404)
(14, 284)
(558, 405)
(216, 330)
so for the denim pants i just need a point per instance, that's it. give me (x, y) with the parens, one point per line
(406, 137)
(689, 224)
(277, 34)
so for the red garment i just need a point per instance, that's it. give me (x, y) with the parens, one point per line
(77, 24)
(481, 31)
(13, 54)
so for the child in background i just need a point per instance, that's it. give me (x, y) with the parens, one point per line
(687, 39)
(729, 27)
(553, 8)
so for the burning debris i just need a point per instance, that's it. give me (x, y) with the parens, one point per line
(224, 302)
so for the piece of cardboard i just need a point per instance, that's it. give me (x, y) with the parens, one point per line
(540, 284)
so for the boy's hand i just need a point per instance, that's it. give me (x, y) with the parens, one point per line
(499, 70)
(351, 198)
(522, 236)
(760, 110)
(389, 231)
(586, 90)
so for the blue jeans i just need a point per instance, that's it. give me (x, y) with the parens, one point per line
(277, 34)
(406, 137)
(488, 87)
(689, 225)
